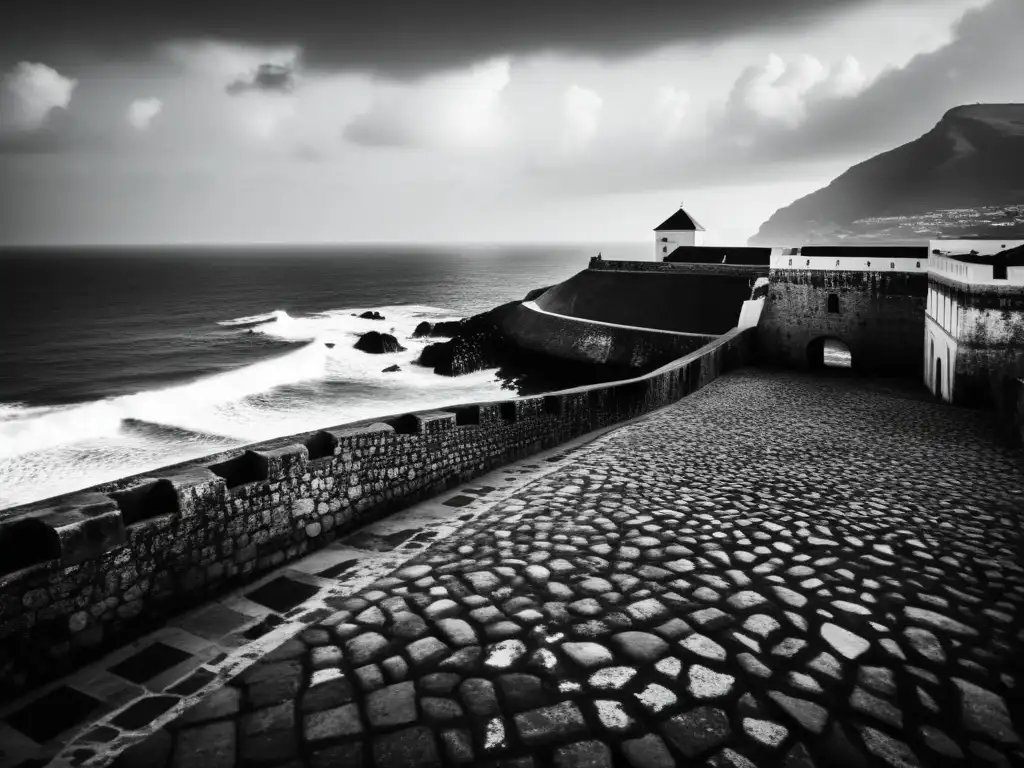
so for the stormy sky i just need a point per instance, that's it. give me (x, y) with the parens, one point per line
(548, 120)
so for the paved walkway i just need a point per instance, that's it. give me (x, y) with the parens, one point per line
(779, 570)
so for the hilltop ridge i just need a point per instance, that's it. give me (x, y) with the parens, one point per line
(964, 177)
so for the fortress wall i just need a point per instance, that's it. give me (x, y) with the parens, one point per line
(880, 318)
(582, 341)
(675, 267)
(691, 298)
(988, 322)
(88, 571)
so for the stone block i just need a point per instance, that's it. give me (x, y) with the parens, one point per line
(285, 461)
(198, 491)
(434, 422)
(348, 437)
(74, 528)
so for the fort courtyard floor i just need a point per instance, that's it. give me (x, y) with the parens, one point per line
(779, 570)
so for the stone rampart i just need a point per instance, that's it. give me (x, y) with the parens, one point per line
(987, 322)
(675, 268)
(87, 571)
(688, 298)
(879, 316)
(594, 343)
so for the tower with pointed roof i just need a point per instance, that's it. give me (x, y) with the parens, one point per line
(678, 229)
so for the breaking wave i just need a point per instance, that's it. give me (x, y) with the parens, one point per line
(31, 429)
(323, 381)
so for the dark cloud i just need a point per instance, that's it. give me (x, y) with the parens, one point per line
(275, 78)
(402, 37)
(981, 63)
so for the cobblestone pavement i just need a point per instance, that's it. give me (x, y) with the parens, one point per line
(86, 718)
(777, 571)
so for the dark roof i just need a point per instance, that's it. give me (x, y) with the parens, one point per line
(712, 254)
(870, 251)
(1012, 257)
(680, 220)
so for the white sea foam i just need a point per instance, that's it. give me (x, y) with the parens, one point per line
(253, 319)
(46, 451)
(27, 430)
(340, 325)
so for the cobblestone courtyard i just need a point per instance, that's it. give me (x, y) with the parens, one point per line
(777, 571)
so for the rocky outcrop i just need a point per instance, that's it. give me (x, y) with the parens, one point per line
(972, 159)
(478, 345)
(372, 315)
(378, 343)
(485, 343)
(444, 329)
(432, 354)
(391, 369)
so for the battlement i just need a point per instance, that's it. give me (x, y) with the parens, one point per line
(87, 570)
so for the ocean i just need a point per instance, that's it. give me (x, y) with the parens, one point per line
(120, 361)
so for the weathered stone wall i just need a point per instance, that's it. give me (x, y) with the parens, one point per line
(86, 571)
(989, 327)
(880, 317)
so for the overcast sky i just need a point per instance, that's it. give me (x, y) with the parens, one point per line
(445, 121)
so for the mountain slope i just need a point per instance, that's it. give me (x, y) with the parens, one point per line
(972, 159)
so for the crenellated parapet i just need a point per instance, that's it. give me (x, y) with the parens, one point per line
(82, 572)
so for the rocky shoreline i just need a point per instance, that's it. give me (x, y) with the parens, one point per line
(480, 343)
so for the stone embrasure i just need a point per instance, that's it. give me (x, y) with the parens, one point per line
(865, 611)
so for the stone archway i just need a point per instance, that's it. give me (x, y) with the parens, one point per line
(828, 352)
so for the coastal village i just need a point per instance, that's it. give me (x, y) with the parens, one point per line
(753, 551)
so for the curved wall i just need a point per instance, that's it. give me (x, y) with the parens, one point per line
(672, 297)
(595, 343)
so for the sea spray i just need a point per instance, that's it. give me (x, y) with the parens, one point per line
(49, 450)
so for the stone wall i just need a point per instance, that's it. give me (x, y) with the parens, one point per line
(688, 298)
(666, 267)
(593, 343)
(91, 570)
(988, 325)
(880, 317)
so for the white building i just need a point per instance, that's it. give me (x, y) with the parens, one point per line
(973, 316)
(677, 230)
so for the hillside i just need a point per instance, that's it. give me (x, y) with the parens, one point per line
(963, 178)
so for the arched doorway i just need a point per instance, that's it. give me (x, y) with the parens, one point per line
(829, 353)
(938, 377)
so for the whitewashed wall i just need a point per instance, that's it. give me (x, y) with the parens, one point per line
(666, 241)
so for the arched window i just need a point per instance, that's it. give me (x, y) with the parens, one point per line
(833, 303)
